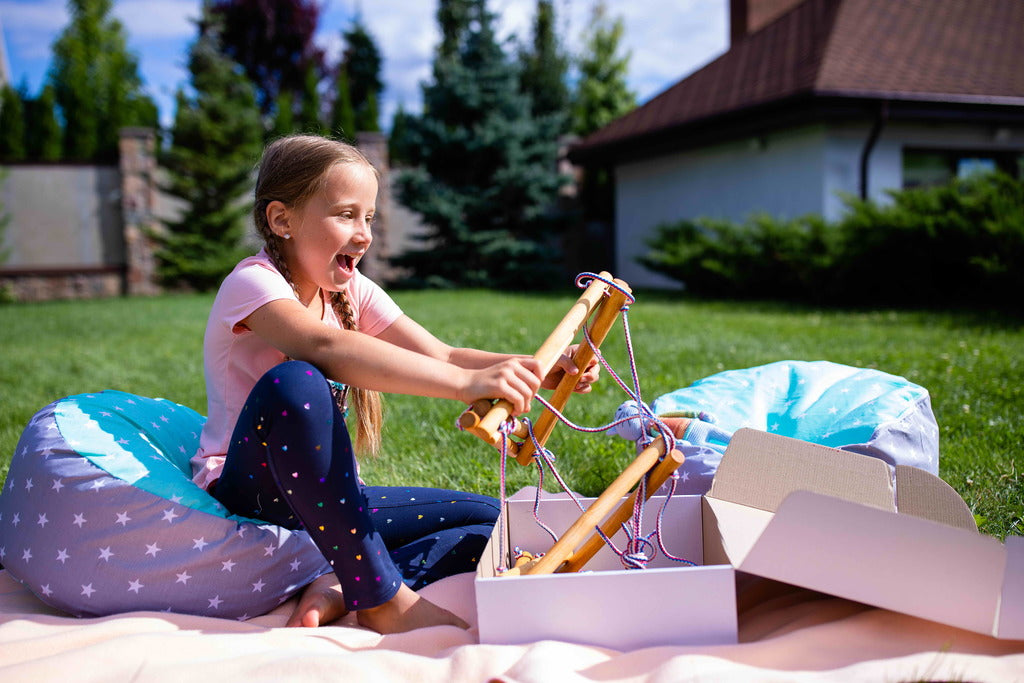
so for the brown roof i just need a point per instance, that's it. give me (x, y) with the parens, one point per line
(917, 50)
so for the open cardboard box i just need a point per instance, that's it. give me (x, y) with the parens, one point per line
(837, 522)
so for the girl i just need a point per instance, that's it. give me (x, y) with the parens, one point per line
(287, 326)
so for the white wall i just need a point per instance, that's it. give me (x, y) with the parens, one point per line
(785, 174)
(781, 174)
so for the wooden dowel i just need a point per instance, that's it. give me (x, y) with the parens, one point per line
(664, 469)
(547, 355)
(599, 328)
(604, 504)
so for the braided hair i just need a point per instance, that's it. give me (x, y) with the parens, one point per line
(292, 170)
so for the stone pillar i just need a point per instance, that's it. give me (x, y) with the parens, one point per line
(375, 264)
(138, 200)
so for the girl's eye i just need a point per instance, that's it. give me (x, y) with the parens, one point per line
(370, 219)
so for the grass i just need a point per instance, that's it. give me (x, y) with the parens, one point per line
(972, 364)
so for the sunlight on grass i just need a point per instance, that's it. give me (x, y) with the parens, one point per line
(970, 363)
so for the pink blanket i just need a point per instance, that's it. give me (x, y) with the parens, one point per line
(785, 634)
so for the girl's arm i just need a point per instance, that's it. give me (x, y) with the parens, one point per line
(408, 334)
(385, 363)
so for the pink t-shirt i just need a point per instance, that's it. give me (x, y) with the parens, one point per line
(234, 358)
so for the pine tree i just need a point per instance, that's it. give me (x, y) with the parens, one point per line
(484, 169)
(216, 141)
(398, 142)
(284, 115)
(309, 111)
(362, 62)
(343, 116)
(545, 67)
(42, 130)
(602, 94)
(96, 83)
(12, 125)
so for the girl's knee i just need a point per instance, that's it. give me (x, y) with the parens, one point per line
(296, 384)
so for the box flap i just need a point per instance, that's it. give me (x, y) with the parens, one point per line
(730, 530)
(760, 469)
(894, 561)
(922, 494)
(1011, 605)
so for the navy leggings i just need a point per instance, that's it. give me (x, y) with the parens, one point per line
(291, 463)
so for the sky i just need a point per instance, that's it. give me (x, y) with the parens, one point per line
(666, 39)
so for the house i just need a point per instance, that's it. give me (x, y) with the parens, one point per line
(815, 99)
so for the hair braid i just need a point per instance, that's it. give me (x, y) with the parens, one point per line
(366, 404)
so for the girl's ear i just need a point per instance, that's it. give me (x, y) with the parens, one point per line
(277, 218)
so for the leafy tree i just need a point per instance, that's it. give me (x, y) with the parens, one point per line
(484, 170)
(602, 94)
(284, 115)
(216, 140)
(362, 62)
(42, 130)
(96, 83)
(545, 66)
(12, 125)
(273, 41)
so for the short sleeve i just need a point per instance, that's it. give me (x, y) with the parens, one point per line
(251, 285)
(375, 309)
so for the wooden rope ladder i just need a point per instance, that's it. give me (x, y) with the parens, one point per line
(602, 302)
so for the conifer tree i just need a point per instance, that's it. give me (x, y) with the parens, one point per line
(398, 151)
(12, 125)
(309, 111)
(42, 130)
(484, 170)
(216, 140)
(343, 116)
(362, 62)
(96, 83)
(545, 67)
(602, 94)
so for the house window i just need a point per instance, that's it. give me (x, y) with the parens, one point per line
(924, 167)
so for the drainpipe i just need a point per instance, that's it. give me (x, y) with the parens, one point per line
(869, 144)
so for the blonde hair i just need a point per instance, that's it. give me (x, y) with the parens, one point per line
(293, 169)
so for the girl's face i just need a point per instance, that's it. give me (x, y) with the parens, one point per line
(331, 231)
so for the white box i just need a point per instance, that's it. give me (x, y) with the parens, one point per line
(824, 519)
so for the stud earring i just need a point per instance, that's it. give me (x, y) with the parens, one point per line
(287, 236)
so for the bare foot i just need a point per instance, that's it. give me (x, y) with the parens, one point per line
(678, 425)
(405, 612)
(321, 603)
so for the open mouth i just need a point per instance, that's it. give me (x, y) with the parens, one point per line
(346, 262)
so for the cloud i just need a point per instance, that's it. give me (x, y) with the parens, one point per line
(147, 20)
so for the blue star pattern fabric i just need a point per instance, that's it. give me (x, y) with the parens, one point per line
(856, 409)
(99, 515)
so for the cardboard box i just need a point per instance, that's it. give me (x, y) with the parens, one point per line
(837, 522)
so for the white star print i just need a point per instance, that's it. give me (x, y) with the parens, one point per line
(243, 617)
(152, 549)
(215, 602)
(88, 590)
(57, 485)
(199, 543)
(176, 499)
(46, 590)
(46, 453)
(79, 520)
(62, 555)
(123, 518)
(258, 586)
(268, 551)
(295, 565)
(123, 441)
(98, 484)
(3, 552)
(227, 565)
(105, 554)
(169, 515)
(183, 578)
(28, 484)
(134, 586)
(15, 519)
(27, 555)
(42, 520)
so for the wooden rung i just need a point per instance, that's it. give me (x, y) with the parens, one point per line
(597, 511)
(606, 315)
(547, 355)
(662, 471)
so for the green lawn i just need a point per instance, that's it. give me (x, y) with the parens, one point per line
(971, 363)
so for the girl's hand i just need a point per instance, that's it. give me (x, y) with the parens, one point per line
(516, 380)
(565, 366)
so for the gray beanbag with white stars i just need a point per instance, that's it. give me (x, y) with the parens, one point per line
(99, 515)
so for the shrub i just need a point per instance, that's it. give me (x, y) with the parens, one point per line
(959, 243)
